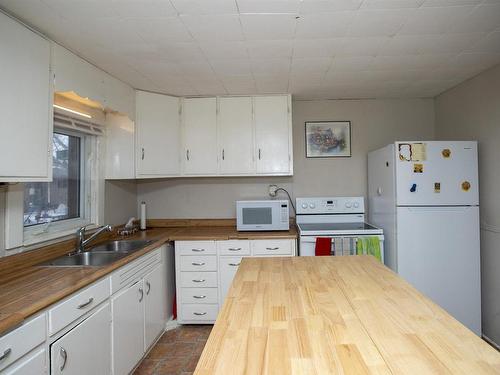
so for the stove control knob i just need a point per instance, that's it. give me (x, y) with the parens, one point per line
(348, 204)
(356, 205)
(312, 206)
(304, 205)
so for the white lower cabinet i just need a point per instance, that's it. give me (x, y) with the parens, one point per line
(154, 306)
(128, 327)
(33, 363)
(85, 349)
(205, 271)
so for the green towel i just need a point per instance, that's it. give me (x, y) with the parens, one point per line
(370, 246)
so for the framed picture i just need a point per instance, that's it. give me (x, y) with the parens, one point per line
(328, 139)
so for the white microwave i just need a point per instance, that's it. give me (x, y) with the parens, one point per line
(262, 215)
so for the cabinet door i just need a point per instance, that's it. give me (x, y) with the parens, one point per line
(235, 131)
(158, 135)
(200, 136)
(29, 365)
(155, 305)
(86, 349)
(120, 146)
(25, 104)
(128, 328)
(272, 135)
(228, 268)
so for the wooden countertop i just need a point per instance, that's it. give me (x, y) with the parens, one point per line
(27, 288)
(336, 315)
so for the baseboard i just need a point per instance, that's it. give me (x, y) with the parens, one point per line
(491, 342)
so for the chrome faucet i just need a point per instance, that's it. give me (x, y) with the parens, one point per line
(80, 236)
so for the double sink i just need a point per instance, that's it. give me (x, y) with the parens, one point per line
(99, 255)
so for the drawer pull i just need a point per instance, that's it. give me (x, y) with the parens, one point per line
(64, 356)
(234, 264)
(85, 304)
(5, 354)
(272, 248)
(200, 314)
(199, 297)
(198, 263)
(234, 249)
(199, 281)
(148, 284)
(198, 250)
(141, 291)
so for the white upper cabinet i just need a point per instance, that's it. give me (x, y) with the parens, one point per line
(25, 104)
(120, 146)
(158, 135)
(200, 136)
(235, 130)
(273, 135)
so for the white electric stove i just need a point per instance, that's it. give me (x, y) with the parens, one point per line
(340, 218)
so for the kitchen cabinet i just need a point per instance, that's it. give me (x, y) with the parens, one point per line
(85, 349)
(120, 147)
(128, 328)
(273, 135)
(154, 305)
(33, 363)
(205, 270)
(235, 130)
(25, 104)
(158, 135)
(199, 134)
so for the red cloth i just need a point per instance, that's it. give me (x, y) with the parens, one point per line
(174, 307)
(323, 246)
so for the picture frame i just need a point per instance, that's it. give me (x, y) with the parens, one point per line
(328, 139)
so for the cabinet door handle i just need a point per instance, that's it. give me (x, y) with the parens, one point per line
(5, 354)
(234, 264)
(234, 249)
(64, 355)
(85, 304)
(200, 313)
(198, 250)
(141, 291)
(142, 155)
(198, 263)
(259, 153)
(272, 248)
(187, 155)
(148, 284)
(222, 154)
(199, 281)
(199, 297)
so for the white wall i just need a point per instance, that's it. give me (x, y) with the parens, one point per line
(120, 201)
(471, 110)
(375, 123)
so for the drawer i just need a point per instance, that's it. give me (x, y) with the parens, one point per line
(195, 247)
(198, 279)
(20, 341)
(272, 247)
(199, 312)
(233, 247)
(29, 365)
(75, 306)
(198, 263)
(199, 295)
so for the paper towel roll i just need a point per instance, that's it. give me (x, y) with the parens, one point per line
(143, 215)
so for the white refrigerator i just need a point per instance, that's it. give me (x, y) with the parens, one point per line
(425, 197)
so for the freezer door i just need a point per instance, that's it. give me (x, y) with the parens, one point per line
(436, 173)
(438, 253)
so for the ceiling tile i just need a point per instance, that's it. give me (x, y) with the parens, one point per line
(268, 26)
(445, 3)
(368, 23)
(361, 46)
(238, 85)
(214, 27)
(180, 51)
(350, 63)
(324, 25)
(391, 4)
(201, 7)
(258, 49)
(424, 21)
(268, 6)
(197, 70)
(83, 9)
(479, 61)
(271, 67)
(209, 87)
(224, 49)
(231, 67)
(410, 62)
(168, 29)
(271, 85)
(317, 47)
(483, 18)
(143, 8)
(322, 6)
(489, 43)
(310, 65)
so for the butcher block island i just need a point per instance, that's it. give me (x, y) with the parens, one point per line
(336, 315)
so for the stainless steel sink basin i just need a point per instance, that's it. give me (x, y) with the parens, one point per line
(86, 259)
(99, 255)
(120, 246)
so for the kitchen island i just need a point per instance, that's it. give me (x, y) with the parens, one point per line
(336, 315)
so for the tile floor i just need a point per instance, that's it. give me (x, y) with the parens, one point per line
(177, 352)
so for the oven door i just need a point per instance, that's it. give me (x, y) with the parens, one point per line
(341, 244)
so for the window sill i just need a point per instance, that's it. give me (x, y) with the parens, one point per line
(35, 240)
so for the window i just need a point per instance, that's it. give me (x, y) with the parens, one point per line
(61, 199)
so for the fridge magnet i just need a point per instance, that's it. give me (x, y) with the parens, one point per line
(418, 152)
(466, 186)
(437, 187)
(446, 153)
(404, 151)
(328, 139)
(418, 168)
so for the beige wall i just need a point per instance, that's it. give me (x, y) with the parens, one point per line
(375, 123)
(120, 201)
(471, 110)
